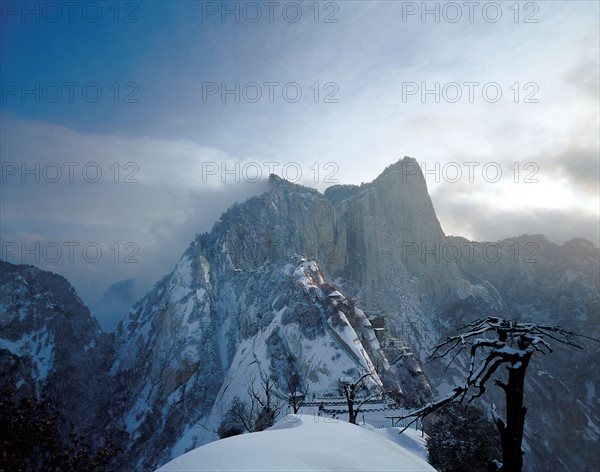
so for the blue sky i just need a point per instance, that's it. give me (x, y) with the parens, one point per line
(363, 66)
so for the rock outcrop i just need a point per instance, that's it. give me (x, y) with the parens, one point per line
(358, 279)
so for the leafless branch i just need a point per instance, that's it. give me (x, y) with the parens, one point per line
(494, 338)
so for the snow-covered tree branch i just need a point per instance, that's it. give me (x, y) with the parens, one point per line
(492, 343)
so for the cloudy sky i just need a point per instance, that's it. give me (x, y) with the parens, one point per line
(118, 119)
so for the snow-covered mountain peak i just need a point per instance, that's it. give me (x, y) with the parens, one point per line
(327, 287)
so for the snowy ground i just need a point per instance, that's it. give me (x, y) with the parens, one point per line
(308, 443)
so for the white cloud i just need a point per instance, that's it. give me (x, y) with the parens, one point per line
(369, 54)
(153, 219)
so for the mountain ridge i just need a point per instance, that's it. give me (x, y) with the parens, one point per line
(258, 284)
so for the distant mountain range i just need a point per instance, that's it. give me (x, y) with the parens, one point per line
(116, 301)
(322, 285)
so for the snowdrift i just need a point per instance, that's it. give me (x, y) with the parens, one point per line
(304, 443)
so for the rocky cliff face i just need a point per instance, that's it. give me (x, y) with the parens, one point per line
(288, 282)
(51, 343)
(382, 231)
(376, 242)
(203, 335)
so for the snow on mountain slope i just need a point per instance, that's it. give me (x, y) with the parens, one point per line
(382, 246)
(309, 335)
(50, 342)
(240, 301)
(195, 342)
(298, 443)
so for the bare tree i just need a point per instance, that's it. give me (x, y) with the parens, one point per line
(512, 344)
(260, 411)
(297, 391)
(350, 390)
(267, 400)
(239, 412)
